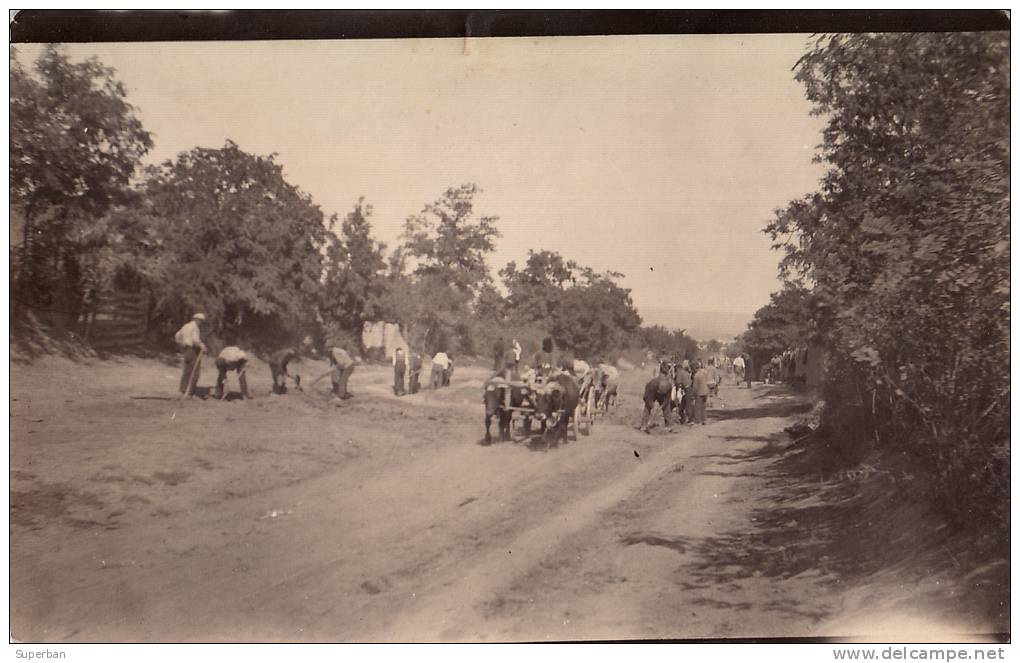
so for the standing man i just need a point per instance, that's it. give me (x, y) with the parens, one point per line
(517, 354)
(278, 363)
(399, 371)
(700, 389)
(413, 378)
(342, 366)
(440, 364)
(738, 369)
(683, 384)
(498, 350)
(544, 360)
(189, 340)
(448, 371)
(714, 378)
(232, 358)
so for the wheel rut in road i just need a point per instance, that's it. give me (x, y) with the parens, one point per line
(442, 611)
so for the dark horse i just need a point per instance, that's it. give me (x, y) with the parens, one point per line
(659, 390)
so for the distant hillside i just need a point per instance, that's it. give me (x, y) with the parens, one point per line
(702, 325)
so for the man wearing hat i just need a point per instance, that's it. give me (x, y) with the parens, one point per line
(189, 339)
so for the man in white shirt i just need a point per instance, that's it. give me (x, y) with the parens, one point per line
(232, 358)
(189, 340)
(440, 366)
(517, 352)
(738, 368)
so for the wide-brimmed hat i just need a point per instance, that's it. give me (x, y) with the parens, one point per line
(198, 316)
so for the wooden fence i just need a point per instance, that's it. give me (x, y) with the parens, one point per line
(118, 321)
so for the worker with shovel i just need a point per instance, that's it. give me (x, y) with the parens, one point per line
(278, 367)
(341, 366)
(189, 340)
(232, 358)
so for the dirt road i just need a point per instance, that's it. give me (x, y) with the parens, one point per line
(384, 519)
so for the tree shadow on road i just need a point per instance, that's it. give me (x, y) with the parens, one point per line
(815, 529)
(778, 408)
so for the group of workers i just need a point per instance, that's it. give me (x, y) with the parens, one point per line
(790, 366)
(232, 358)
(695, 382)
(407, 372)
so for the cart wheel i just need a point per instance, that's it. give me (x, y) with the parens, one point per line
(577, 424)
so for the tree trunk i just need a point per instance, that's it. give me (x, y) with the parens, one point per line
(17, 308)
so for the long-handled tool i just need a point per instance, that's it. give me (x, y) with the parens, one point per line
(188, 387)
(226, 382)
(316, 380)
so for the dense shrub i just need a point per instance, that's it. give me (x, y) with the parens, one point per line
(906, 248)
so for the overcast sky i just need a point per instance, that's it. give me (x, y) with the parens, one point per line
(659, 157)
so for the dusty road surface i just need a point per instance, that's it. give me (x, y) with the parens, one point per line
(138, 518)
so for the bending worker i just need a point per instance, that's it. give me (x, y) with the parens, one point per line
(278, 367)
(232, 358)
(342, 366)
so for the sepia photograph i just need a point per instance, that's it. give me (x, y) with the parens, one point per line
(674, 332)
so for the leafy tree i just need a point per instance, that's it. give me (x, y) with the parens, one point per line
(594, 316)
(431, 311)
(447, 241)
(785, 322)
(535, 291)
(354, 282)
(665, 342)
(906, 244)
(236, 240)
(75, 142)
(446, 247)
(490, 304)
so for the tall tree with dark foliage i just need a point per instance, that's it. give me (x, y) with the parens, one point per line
(906, 247)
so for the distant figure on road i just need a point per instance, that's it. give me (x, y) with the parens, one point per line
(748, 369)
(441, 363)
(399, 371)
(544, 359)
(448, 372)
(189, 340)
(610, 384)
(714, 378)
(738, 369)
(232, 358)
(342, 366)
(498, 351)
(414, 376)
(700, 389)
(683, 383)
(278, 364)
